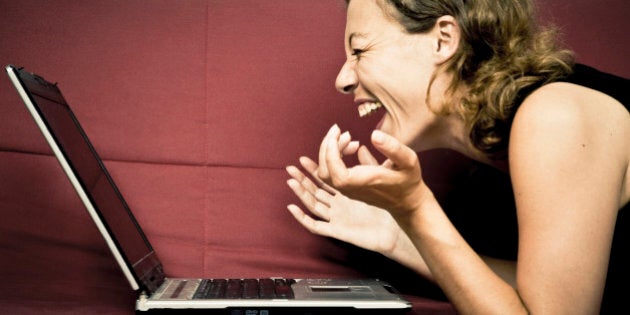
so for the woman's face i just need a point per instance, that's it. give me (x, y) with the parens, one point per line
(388, 69)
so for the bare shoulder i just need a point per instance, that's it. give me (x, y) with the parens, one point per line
(560, 100)
(564, 121)
(565, 111)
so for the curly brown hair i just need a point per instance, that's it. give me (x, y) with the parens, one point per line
(503, 55)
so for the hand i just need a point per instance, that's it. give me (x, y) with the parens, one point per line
(337, 216)
(395, 185)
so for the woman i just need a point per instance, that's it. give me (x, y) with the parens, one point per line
(478, 77)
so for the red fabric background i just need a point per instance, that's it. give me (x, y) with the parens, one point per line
(196, 107)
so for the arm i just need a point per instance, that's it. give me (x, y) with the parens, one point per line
(568, 155)
(567, 198)
(396, 185)
(352, 221)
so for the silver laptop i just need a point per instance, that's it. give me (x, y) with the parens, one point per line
(140, 263)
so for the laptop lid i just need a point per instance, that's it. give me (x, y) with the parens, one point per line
(90, 178)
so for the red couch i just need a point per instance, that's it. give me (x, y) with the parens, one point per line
(196, 108)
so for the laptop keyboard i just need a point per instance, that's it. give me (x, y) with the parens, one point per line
(245, 289)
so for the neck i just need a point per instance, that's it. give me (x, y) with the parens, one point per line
(449, 130)
(451, 133)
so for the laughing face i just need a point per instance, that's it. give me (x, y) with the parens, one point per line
(389, 70)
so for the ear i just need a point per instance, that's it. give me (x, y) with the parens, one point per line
(447, 35)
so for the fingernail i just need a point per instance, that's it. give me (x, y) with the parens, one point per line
(378, 137)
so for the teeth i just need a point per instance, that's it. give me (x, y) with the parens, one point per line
(366, 109)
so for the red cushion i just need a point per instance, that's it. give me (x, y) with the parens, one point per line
(196, 107)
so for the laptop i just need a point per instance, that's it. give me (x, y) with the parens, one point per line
(140, 263)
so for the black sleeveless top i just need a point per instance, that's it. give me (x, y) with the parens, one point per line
(617, 279)
(477, 205)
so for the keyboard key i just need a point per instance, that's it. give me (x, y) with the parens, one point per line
(266, 289)
(234, 289)
(217, 289)
(250, 289)
(283, 289)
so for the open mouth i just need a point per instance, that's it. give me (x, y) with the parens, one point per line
(368, 108)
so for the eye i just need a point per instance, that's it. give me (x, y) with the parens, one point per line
(357, 53)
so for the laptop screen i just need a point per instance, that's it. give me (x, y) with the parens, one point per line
(94, 180)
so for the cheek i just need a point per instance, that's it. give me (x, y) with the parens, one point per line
(410, 82)
(369, 74)
(401, 87)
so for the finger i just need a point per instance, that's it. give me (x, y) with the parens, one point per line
(346, 145)
(323, 196)
(302, 179)
(366, 157)
(399, 155)
(311, 202)
(344, 140)
(351, 148)
(311, 167)
(295, 172)
(314, 226)
(335, 167)
(322, 170)
(307, 198)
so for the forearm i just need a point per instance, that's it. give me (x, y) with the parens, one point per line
(405, 253)
(468, 281)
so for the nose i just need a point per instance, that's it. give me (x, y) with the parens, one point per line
(346, 80)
